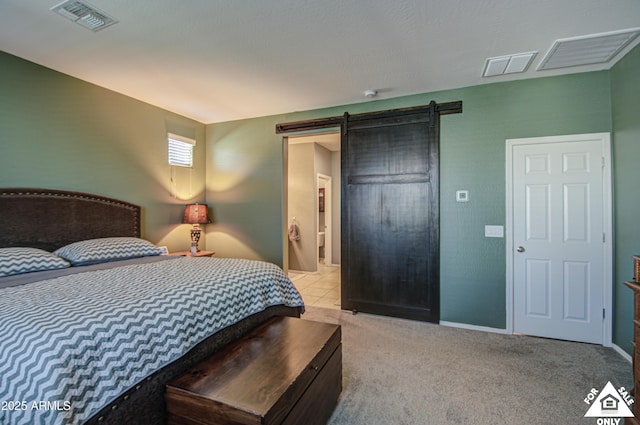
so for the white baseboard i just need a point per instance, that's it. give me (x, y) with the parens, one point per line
(617, 348)
(473, 327)
(623, 353)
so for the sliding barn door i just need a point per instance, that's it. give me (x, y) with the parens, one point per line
(390, 213)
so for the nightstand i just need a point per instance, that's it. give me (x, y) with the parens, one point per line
(188, 254)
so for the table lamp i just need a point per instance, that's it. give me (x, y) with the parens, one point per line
(196, 214)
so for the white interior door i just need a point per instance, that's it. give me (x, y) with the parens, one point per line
(558, 244)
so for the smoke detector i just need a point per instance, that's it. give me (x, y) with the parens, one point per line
(370, 93)
(84, 14)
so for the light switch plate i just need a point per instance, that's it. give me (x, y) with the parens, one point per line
(462, 196)
(491, 231)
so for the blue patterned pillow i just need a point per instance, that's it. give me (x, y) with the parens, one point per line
(25, 260)
(93, 251)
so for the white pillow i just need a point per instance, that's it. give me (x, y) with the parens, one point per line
(24, 260)
(93, 251)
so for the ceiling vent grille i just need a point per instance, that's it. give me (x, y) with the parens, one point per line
(587, 50)
(84, 14)
(508, 64)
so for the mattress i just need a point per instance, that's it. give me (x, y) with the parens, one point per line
(75, 340)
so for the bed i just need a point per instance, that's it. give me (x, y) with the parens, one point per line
(97, 340)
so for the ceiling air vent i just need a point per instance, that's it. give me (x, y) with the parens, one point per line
(508, 64)
(587, 50)
(84, 14)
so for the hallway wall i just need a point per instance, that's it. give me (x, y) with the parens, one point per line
(301, 205)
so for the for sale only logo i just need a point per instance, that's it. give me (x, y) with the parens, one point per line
(609, 406)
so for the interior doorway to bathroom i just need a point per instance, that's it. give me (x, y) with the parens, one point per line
(325, 224)
(312, 216)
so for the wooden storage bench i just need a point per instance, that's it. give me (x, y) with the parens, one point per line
(287, 371)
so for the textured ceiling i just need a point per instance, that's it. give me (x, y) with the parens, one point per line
(220, 60)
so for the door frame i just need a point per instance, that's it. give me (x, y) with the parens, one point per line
(605, 140)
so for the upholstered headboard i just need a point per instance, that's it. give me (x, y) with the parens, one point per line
(48, 218)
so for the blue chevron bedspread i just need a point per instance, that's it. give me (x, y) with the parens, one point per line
(71, 345)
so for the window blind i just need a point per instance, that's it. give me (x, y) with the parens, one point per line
(180, 150)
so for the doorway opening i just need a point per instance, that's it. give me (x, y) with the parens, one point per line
(325, 222)
(311, 247)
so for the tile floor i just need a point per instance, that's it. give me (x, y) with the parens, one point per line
(320, 289)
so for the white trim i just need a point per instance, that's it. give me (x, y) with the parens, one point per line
(180, 138)
(285, 204)
(473, 327)
(508, 233)
(607, 185)
(605, 139)
(623, 353)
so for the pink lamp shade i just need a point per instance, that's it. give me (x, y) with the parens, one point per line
(196, 214)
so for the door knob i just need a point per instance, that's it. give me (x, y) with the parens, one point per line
(520, 249)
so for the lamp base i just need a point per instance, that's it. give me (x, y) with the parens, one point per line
(195, 236)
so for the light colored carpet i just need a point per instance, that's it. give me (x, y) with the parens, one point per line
(399, 371)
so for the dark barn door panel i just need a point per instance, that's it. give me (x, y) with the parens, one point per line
(390, 213)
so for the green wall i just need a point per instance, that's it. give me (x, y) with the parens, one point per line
(60, 132)
(625, 95)
(57, 131)
(472, 157)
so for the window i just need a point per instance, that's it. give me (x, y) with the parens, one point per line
(180, 150)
